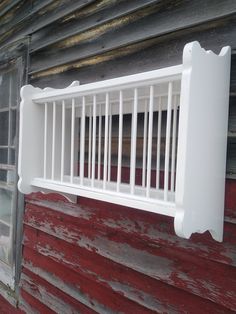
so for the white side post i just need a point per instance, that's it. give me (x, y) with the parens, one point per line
(201, 157)
(31, 140)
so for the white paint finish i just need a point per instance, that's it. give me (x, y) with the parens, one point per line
(109, 144)
(53, 140)
(82, 136)
(119, 164)
(173, 151)
(201, 158)
(130, 81)
(90, 142)
(99, 141)
(197, 203)
(133, 142)
(153, 204)
(45, 141)
(144, 146)
(149, 153)
(105, 142)
(67, 141)
(143, 97)
(30, 141)
(63, 140)
(158, 144)
(94, 140)
(72, 140)
(167, 147)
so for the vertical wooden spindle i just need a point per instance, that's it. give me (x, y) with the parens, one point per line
(133, 142)
(90, 142)
(99, 141)
(109, 146)
(174, 131)
(150, 130)
(144, 145)
(53, 139)
(72, 140)
(158, 144)
(82, 141)
(105, 141)
(62, 139)
(119, 166)
(167, 148)
(45, 140)
(94, 140)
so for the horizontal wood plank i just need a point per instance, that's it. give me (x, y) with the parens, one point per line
(51, 296)
(23, 19)
(137, 250)
(7, 5)
(31, 305)
(102, 39)
(152, 228)
(97, 297)
(147, 55)
(82, 21)
(6, 307)
(98, 257)
(170, 297)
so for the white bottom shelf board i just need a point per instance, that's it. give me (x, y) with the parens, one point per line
(154, 203)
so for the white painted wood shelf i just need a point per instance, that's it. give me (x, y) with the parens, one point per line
(74, 140)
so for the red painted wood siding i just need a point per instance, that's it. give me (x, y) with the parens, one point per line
(7, 308)
(98, 257)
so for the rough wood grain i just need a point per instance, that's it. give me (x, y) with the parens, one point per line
(94, 256)
(31, 305)
(154, 229)
(51, 296)
(7, 308)
(82, 21)
(160, 261)
(53, 273)
(146, 55)
(101, 299)
(102, 39)
(23, 19)
(7, 5)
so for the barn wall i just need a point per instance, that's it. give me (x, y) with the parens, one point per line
(97, 257)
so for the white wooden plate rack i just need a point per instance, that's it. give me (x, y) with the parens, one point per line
(74, 140)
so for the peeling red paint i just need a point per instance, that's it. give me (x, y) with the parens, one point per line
(112, 219)
(108, 252)
(51, 296)
(230, 199)
(7, 308)
(32, 305)
(95, 268)
(157, 262)
(96, 296)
